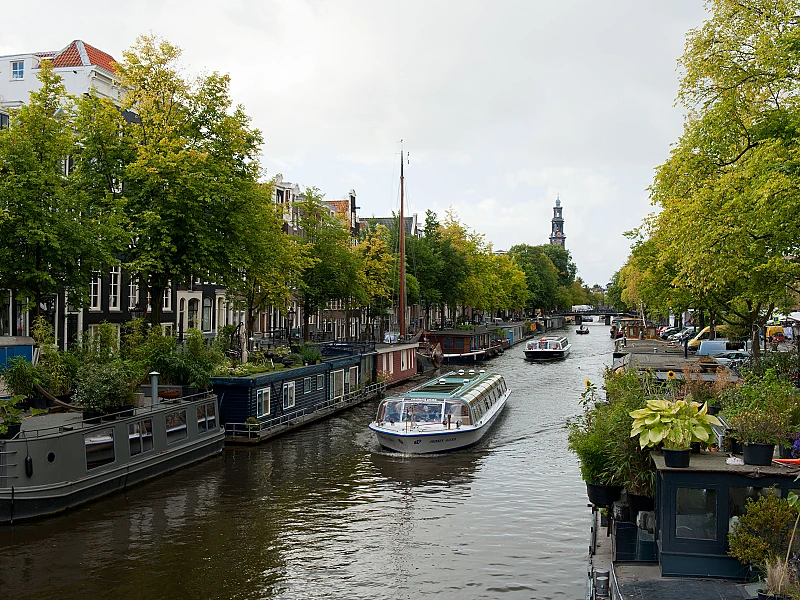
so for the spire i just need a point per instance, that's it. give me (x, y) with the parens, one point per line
(557, 237)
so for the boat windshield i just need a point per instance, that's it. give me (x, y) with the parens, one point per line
(423, 412)
(390, 410)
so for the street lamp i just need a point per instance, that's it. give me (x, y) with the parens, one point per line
(137, 312)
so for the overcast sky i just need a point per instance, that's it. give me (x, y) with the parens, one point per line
(502, 104)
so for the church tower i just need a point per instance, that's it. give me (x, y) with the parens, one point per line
(557, 236)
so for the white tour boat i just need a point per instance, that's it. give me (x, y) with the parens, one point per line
(449, 412)
(547, 348)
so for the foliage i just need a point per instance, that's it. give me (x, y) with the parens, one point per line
(762, 409)
(763, 533)
(630, 463)
(310, 353)
(192, 178)
(105, 386)
(588, 437)
(20, 376)
(53, 236)
(10, 412)
(674, 423)
(779, 577)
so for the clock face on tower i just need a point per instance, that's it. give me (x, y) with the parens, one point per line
(558, 233)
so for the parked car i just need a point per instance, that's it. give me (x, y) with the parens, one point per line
(726, 358)
(705, 334)
(681, 335)
(665, 332)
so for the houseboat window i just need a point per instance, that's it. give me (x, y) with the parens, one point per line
(211, 416)
(696, 513)
(459, 343)
(99, 447)
(201, 418)
(337, 389)
(288, 394)
(306, 385)
(262, 402)
(140, 435)
(390, 411)
(738, 497)
(176, 426)
(320, 382)
(448, 342)
(353, 376)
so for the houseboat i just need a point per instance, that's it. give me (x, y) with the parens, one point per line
(445, 413)
(548, 347)
(466, 345)
(58, 461)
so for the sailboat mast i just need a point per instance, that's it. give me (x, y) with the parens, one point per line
(402, 315)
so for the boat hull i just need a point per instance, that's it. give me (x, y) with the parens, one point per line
(30, 503)
(534, 355)
(429, 442)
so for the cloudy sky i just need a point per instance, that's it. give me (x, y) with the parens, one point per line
(502, 104)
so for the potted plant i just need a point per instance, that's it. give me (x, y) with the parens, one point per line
(759, 429)
(760, 413)
(20, 377)
(764, 537)
(106, 387)
(588, 437)
(674, 425)
(10, 413)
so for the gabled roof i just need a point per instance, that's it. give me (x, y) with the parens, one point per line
(80, 54)
(341, 207)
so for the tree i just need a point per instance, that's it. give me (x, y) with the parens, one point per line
(728, 192)
(335, 271)
(54, 234)
(272, 264)
(541, 275)
(190, 184)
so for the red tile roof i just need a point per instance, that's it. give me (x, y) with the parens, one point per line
(342, 207)
(81, 54)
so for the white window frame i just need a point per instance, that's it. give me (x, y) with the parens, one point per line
(133, 292)
(262, 402)
(95, 286)
(167, 304)
(288, 394)
(337, 384)
(114, 279)
(352, 375)
(17, 70)
(307, 385)
(321, 381)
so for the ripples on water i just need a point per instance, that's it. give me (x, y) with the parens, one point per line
(323, 512)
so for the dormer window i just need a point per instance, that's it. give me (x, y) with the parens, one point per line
(17, 69)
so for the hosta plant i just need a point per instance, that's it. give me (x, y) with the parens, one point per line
(675, 424)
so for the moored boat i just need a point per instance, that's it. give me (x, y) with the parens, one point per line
(58, 461)
(445, 413)
(582, 330)
(547, 348)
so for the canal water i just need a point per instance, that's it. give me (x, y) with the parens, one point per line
(323, 512)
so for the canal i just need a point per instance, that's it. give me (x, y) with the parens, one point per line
(324, 513)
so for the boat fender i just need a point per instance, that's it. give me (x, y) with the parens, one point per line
(458, 424)
(29, 466)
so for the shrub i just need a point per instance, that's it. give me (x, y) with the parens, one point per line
(763, 532)
(20, 376)
(105, 386)
(310, 353)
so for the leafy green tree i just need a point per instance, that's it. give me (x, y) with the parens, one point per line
(541, 275)
(335, 271)
(54, 235)
(272, 265)
(190, 184)
(728, 191)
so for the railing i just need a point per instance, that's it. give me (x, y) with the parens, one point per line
(255, 430)
(138, 411)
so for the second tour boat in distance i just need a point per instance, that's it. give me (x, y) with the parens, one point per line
(452, 411)
(548, 347)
